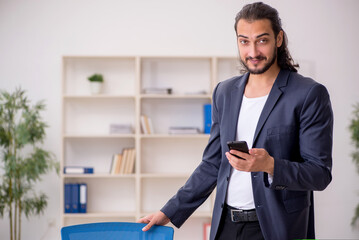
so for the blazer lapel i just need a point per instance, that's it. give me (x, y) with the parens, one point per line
(273, 97)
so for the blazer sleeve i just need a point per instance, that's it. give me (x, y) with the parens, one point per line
(315, 143)
(202, 181)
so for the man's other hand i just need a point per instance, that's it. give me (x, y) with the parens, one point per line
(158, 218)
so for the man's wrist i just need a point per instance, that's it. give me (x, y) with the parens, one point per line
(270, 169)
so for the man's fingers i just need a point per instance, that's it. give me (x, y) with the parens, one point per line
(143, 220)
(148, 226)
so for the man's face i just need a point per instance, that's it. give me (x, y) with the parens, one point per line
(257, 45)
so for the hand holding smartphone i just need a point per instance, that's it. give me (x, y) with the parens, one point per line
(239, 146)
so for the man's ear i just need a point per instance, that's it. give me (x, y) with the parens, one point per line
(280, 37)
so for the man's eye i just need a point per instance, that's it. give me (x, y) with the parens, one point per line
(243, 42)
(262, 41)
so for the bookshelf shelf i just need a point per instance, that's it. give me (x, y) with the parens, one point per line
(176, 96)
(99, 215)
(164, 176)
(79, 136)
(174, 136)
(88, 139)
(98, 175)
(79, 97)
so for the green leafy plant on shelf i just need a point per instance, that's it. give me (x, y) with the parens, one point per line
(96, 78)
(23, 160)
(354, 128)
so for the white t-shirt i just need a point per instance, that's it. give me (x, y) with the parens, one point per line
(240, 192)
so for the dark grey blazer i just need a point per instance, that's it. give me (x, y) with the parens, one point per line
(295, 127)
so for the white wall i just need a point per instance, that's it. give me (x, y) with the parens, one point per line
(323, 36)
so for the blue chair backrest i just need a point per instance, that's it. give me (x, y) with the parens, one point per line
(115, 231)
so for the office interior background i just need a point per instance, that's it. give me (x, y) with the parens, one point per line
(323, 39)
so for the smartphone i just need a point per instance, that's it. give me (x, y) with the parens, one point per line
(239, 146)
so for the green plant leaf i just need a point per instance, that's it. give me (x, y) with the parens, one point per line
(354, 129)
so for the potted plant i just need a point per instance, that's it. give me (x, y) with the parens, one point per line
(354, 128)
(22, 159)
(96, 81)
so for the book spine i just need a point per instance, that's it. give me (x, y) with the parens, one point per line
(67, 198)
(78, 170)
(83, 198)
(75, 197)
(207, 116)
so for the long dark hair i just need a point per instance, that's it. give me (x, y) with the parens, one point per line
(258, 11)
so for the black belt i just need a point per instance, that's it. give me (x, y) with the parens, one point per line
(238, 215)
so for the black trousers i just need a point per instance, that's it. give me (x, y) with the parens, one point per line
(229, 230)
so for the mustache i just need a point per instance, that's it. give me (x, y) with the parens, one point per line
(260, 57)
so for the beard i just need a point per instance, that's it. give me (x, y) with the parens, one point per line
(260, 57)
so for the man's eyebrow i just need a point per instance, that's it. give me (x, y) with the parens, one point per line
(263, 34)
(260, 35)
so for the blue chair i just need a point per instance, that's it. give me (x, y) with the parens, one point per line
(115, 231)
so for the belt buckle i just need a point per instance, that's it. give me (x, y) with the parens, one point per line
(235, 218)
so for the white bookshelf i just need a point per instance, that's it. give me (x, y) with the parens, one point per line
(163, 161)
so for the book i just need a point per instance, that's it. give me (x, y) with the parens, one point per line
(143, 124)
(183, 130)
(157, 90)
(124, 161)
(130, 161)
(75, 197)
(67, 198)
(207, 117)
(120, 128)
(206, 231)
(146, 125)
(78, 170)
(113, 164)
(150, 125)
(82, 198)
(118, 163)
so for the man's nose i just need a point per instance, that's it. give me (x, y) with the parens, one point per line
(253, 51)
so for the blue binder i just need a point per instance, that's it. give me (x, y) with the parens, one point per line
(67, 198)
(78, 170)
(75, 192)
(83, 198)
(207, 117)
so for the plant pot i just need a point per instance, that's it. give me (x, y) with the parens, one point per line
(96, 87)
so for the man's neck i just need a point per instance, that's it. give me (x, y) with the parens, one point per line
(260, 84)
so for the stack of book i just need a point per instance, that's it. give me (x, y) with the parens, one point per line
(146, 125)
(183, 130)
(120, 128)
(123, 163)
(75, 197)
(157, 90)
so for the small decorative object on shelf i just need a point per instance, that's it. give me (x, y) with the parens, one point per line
(96, 82)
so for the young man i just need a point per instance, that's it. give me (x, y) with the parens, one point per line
(287, 121)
